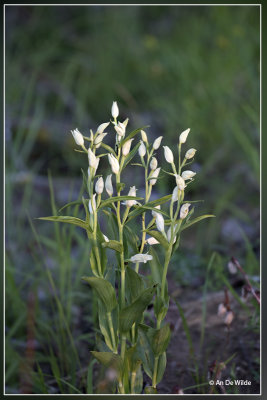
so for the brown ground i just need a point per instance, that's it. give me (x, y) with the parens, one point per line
(219, 345)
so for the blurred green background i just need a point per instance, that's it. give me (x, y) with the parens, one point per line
(168, 67)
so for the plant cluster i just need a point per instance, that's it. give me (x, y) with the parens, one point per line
(132, 345)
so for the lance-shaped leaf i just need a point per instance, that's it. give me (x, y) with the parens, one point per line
(158, 236)
(131, 155)
(109, 360)
(69, 220)
(133, 313)
(161, 340)
(108, 148)
(132, 134)
(72, 203)
(195, 220)
(144, 349)
(114, 245)
(111, 200)
(104, 290)
(134, 283)
(161, 367)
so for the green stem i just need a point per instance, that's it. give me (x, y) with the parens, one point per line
(155, 372)
(165, 269)
(133, 377)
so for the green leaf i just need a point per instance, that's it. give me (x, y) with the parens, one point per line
(131, 135)
(195, 220)
(134, 283)
(114, 245)
(158, 236)
(161, 340)
(72, 203)
(108, 148)
(159, 201)
(138, 383)
(109, 360)
(131, 155)
(133, 313)
(104, 290)
(111, 200)
(161, 367)
(103, 324)
(144, 350)
(69, 220)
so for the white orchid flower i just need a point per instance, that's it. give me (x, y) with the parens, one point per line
(151, 241)
(184, 210)
(154, 175)
(190, 153)
(115, 110)
(180, 182)
(126, 147)
(160, 222)
(114, 163)
(108, 185)
(157, 142)
(141, 258)
(168, 154)
(154, 213)
(102, 127)
(144, 136)
(188, 175)
(132, 192)
(99, 186)
(92, 205)
(93, 160)
(153, 163)
(183, 136)
(78, 137)
(142, 149)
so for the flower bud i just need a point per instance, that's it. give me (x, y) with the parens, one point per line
(190, 153)
(160, 222)
(114, 163)
(155, 174)
(126, 147)
(102, 127)
(132, 192)
(120, 129)
(99, 186)
(180, 182)
(188, 175)
(175, 194)
(92, 205)
(157, 142)
(115, 110)
(168, 154)
(142, 149)
(152, 241)
(92, 159)
(108, 185)
(183, 136)
(78, 137)
(153, 163)
(184, 210)
(144, 136)
(154, 213)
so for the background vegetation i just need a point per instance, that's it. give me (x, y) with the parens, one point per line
(168, 67)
